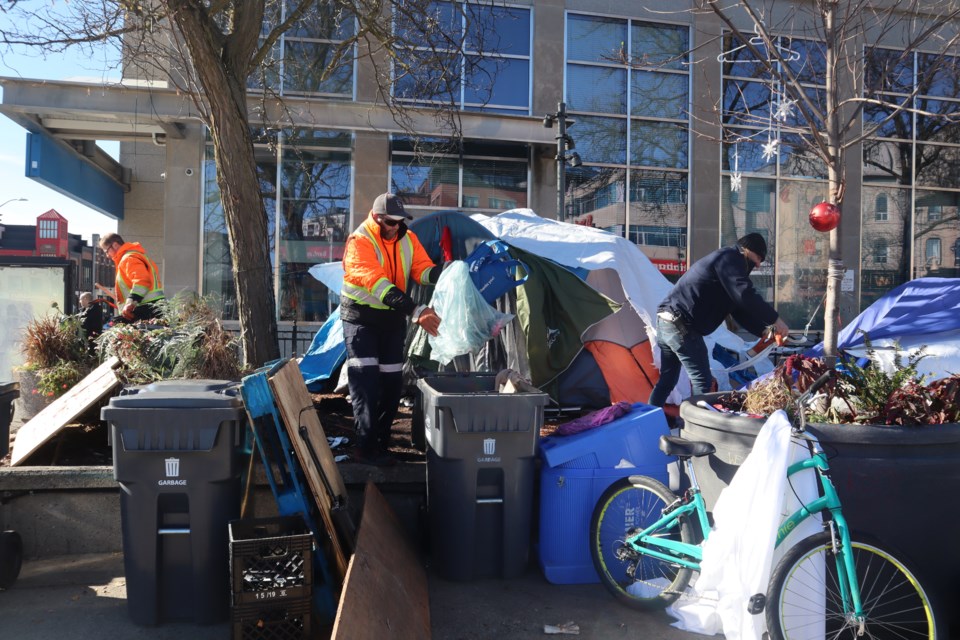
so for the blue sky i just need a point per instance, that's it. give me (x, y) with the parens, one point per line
(13, 182)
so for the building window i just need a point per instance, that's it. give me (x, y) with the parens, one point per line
(914, 151)
(306, 179)
(492, 71)
(880, 208)
(434, 175)
(305, 52)
(880, 249)
(628, 91)
(932, 253)
(49, 229)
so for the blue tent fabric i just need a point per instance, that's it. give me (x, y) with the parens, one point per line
(918, 307)
(326, 353)
(465, 233)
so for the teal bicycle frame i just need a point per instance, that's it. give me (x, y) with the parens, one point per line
(829, 501)
(647, 543)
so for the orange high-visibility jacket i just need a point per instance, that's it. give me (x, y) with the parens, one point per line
(373, 265)
(136, 274)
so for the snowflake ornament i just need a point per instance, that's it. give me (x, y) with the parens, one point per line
(770, 149)
(735, 180)
(784, 110)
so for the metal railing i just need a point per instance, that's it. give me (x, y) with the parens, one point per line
(294, 340)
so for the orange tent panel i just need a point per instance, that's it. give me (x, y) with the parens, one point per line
(629, 373)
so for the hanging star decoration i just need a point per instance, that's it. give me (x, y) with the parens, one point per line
(736, 177)
(770, 149)
(784, 110)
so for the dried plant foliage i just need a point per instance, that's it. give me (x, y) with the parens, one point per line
(860, 394)
(51, 339)
(766, 396)
(187, 341)
(55, 348)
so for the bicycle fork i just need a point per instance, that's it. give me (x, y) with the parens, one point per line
(847, 573)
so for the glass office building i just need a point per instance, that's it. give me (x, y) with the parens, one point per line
(672, 118)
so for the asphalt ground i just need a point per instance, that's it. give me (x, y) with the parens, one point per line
(83, 597)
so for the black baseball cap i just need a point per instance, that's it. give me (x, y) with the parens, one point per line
(390, 206)
(756, 243)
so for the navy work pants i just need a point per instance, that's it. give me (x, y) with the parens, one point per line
(375, 373)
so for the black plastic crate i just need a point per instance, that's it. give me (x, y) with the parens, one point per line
(283, 620)
(271, 559)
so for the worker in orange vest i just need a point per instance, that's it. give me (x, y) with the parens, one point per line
(138, 285)
(380, 259)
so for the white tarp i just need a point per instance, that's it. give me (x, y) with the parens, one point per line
(330, 274)
(738, 557)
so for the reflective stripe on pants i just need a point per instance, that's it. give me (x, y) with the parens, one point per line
(375, 375)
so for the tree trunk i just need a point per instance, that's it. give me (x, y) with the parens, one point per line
(224, 89)
(246, 222)
(835, 182)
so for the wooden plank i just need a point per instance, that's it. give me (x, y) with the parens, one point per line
(83, 395)
(296, 409)
(385, 593)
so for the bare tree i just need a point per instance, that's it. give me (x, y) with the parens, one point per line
(862, 43)
(216, 50)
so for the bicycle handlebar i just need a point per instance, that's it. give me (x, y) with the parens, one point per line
(812, 389)
(819, 382)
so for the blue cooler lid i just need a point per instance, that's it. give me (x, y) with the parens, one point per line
(606, 442)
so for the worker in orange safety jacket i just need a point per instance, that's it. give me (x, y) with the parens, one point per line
(380, 259)
(138, 285)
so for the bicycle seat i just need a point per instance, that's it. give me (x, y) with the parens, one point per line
(682, 448)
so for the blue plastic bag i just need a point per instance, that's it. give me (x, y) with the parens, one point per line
(493, 270)
(467, 321)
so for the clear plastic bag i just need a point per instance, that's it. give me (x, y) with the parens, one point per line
(466, 319)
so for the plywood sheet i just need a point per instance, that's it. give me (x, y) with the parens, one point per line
(62, 411)
(385, 593)
(296, 408)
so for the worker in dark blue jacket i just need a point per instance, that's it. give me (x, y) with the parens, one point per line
(716, 286)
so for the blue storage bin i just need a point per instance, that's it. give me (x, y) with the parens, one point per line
(572, 479)
(626, 438)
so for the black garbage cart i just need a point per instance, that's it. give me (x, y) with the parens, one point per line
(177, 454)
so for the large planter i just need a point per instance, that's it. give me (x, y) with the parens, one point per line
(897, 484)
(31, 401)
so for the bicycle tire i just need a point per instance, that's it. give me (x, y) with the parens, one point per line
(636, 502)
(895, 603)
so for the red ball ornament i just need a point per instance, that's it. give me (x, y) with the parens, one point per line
(825, 216)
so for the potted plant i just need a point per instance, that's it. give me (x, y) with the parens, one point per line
(56, 357)
(894, 444)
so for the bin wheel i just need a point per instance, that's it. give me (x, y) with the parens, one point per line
(11, 558)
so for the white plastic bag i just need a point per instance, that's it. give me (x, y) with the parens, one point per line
(466, 319)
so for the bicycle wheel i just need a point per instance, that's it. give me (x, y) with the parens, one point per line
(639, 581)
(804, 597)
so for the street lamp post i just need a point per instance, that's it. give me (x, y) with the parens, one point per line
(564, 144)
(8, 202)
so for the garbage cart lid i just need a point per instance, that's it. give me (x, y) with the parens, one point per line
(10, 387)
(184, 385)
(173, 400)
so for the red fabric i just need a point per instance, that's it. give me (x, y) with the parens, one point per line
(446, 244)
